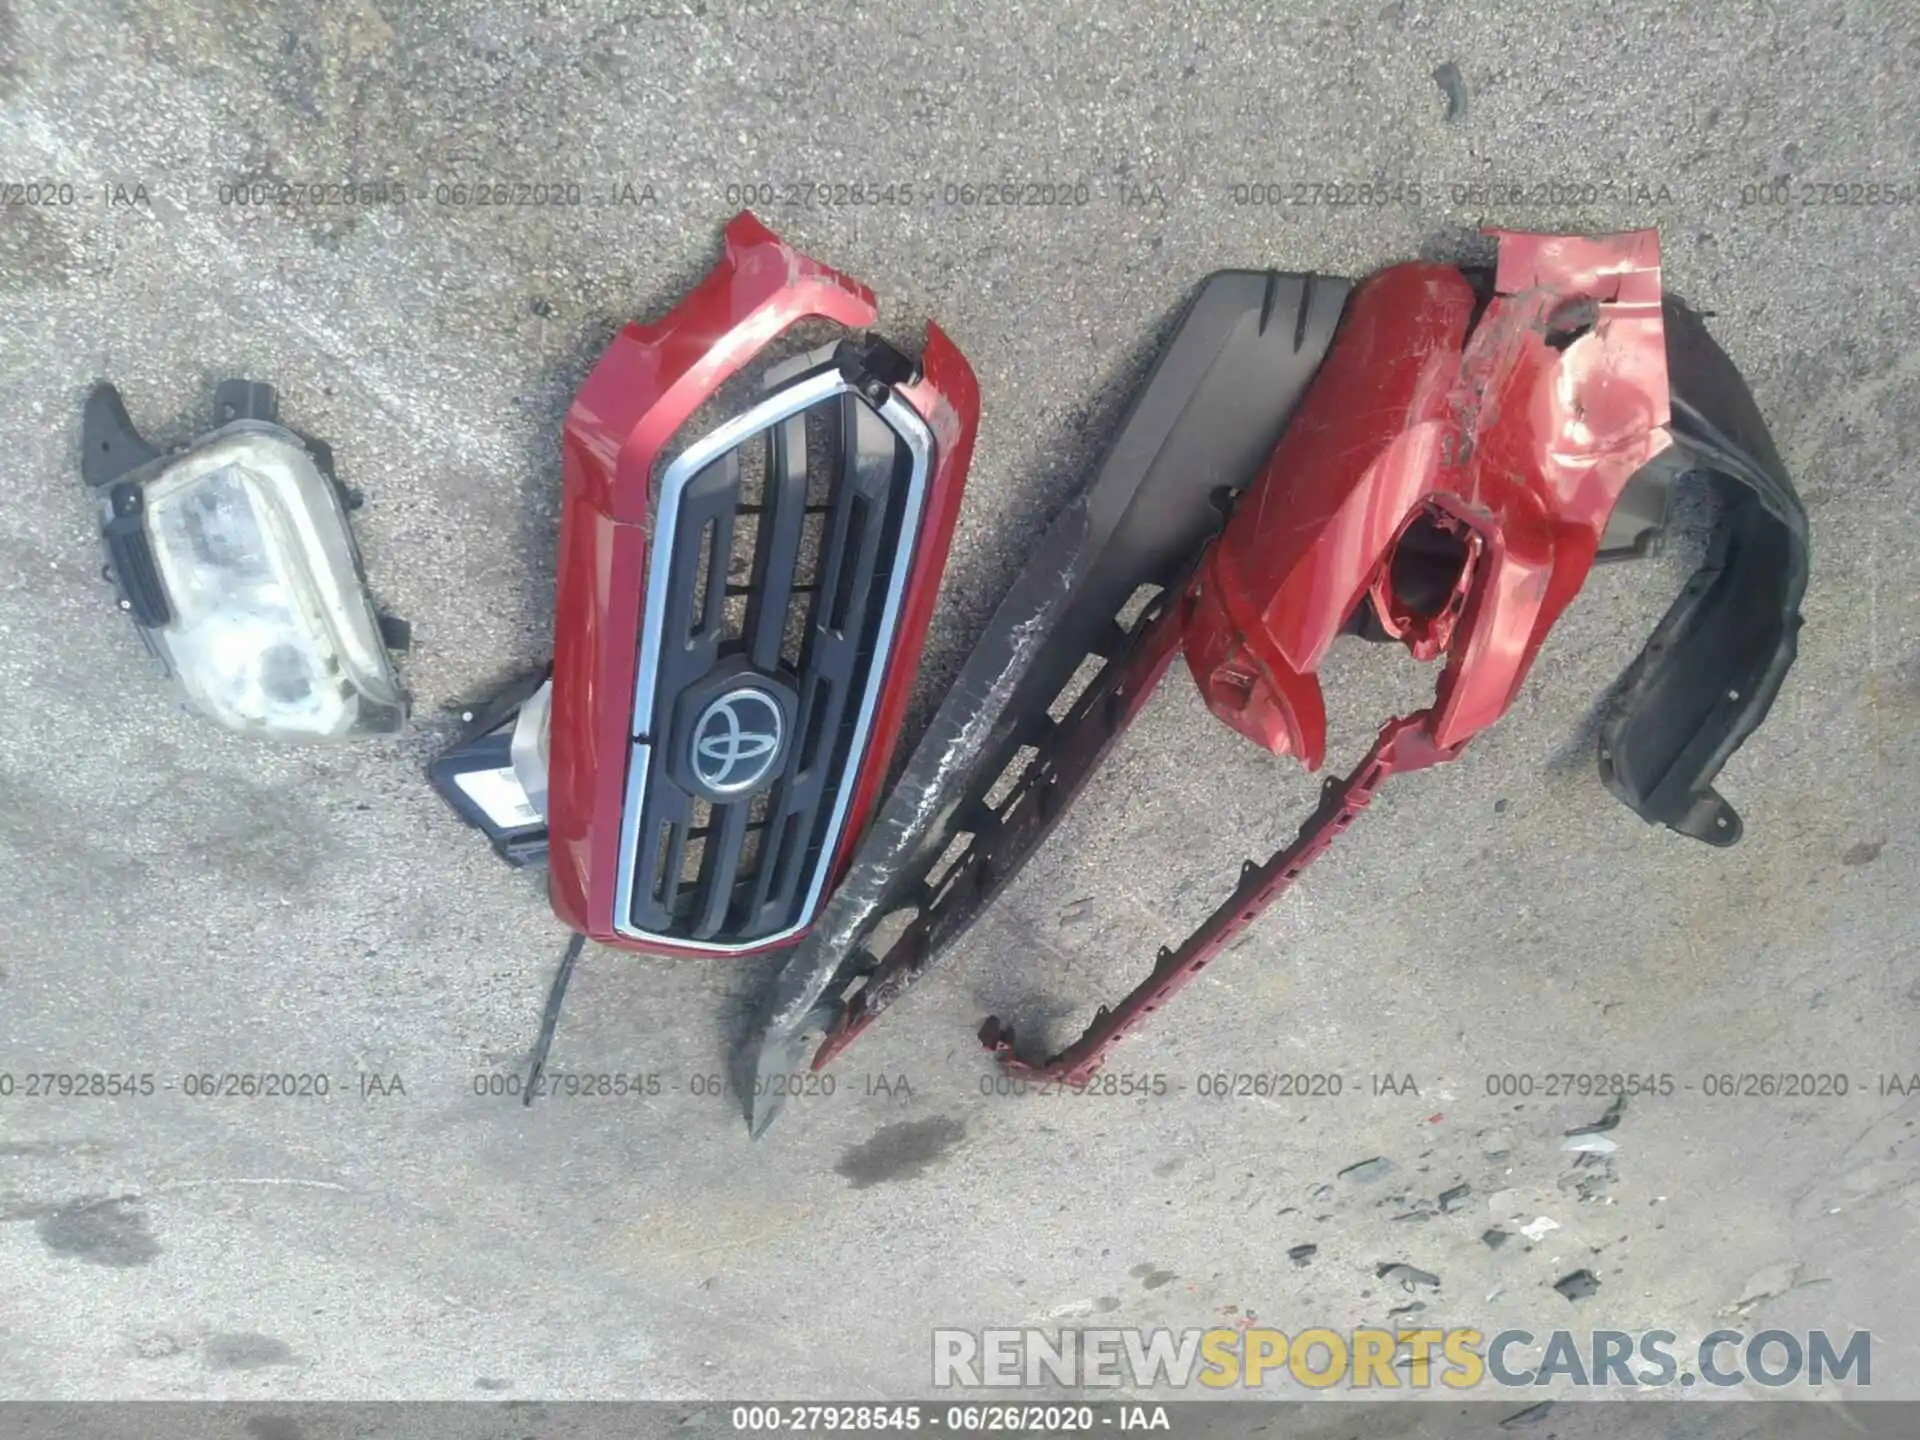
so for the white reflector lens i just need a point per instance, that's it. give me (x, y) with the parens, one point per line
(271, 631)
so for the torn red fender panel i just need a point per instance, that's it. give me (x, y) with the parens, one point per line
(745, 580)
(1447, 479)
(1497, 453)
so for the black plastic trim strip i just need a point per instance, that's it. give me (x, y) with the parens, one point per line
(1204, 421)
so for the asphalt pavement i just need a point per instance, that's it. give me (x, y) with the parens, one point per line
(1049, 182)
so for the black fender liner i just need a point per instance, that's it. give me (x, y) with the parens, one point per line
(1711, 669)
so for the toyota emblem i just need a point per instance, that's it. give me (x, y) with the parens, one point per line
(736, 742)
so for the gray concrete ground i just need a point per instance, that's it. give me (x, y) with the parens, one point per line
(182, 903)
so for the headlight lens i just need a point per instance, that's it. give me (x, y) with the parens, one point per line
(233, 557)
(270, 630)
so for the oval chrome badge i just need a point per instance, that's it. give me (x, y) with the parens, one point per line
(737, 741)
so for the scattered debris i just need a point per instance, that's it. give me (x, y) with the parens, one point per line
(1607, 1121)
(1495, 1237)
(1768, 1282)
(1591, 1144)
(1864, 853)
(1454, 86)
(1367, 1170)
(1591, 1175)
(1419, 1215)
(1320, 1192)
(1452, 1200)
(1538, 1229)
(1410, 1308)
(1532, 1415)
(1406, 1276)
(1301, 1254)
(1152, 1277)
(1577, 1286)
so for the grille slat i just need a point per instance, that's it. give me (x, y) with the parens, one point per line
(720, 872)
(671, 863)
(812, 505)
(774, 564)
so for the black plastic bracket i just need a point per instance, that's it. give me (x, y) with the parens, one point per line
(396, 634)
(130, 558)
(245, 400)
(873, 367)
(110, 446)
(110, 449)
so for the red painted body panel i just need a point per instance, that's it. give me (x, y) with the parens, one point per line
(1518, 445)
(652, 378)
(1515, 436)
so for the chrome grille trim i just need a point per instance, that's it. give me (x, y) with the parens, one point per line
(646, 726)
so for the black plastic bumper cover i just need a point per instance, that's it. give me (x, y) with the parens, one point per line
(1207, 417)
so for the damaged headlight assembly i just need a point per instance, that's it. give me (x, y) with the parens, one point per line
(233, 557)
